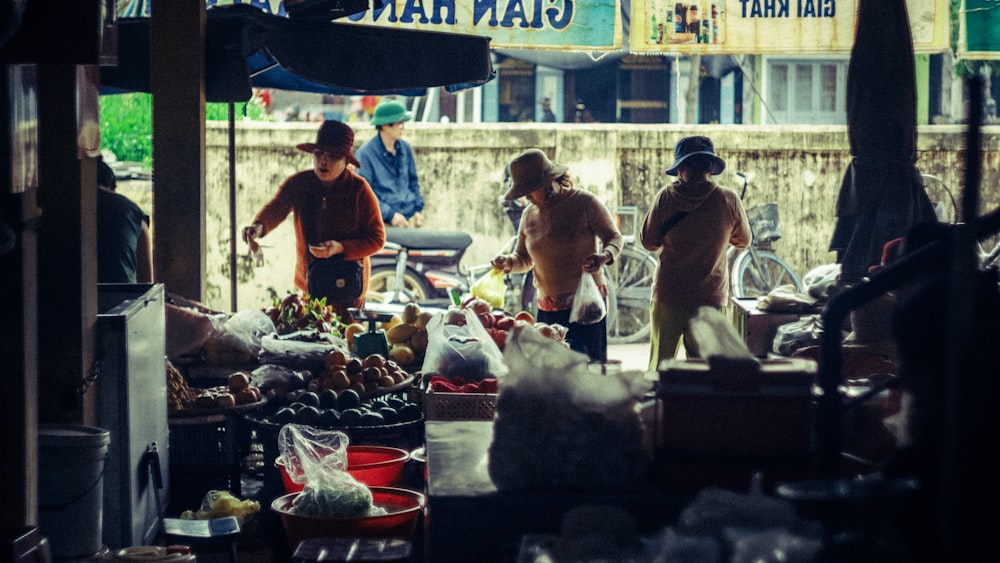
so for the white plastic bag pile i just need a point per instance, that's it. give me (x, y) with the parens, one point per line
(559, 425)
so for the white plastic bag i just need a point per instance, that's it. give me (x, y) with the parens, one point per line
(588, 303)
(466, 350)
(237, 342)
(559, 425)
(305, 449)
(318, 459)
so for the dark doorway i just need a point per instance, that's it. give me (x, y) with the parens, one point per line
(644, 90)
(595, 88)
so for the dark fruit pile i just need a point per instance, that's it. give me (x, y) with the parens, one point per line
(345, 409)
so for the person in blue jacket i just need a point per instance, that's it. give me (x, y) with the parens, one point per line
(387, 163)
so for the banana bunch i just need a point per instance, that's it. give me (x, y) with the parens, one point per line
(219, 504)
(408, 339)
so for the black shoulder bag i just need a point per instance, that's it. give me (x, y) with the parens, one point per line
(337, 279)
(673, 220)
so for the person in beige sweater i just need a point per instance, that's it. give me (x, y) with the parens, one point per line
(564, 234)
(693, 221)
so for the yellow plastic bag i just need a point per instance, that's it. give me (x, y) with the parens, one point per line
(490, 288)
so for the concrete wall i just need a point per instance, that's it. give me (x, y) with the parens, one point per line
(461, 168)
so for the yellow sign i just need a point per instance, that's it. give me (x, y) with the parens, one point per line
(787, 27)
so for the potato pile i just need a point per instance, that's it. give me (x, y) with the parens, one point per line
(368, 374)
(238, 390)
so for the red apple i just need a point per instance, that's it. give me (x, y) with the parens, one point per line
(525, 316)
(480, 306)
(486, 320)
(503, 322)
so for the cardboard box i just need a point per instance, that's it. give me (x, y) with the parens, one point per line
(719, 428)
(758, 328)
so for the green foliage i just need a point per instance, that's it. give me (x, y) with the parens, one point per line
(253, 110)
(127, 126)
(127, 123)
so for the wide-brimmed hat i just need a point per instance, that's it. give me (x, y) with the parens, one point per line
(390, 111)
(531, 170)
(691, 146)
(334, 137)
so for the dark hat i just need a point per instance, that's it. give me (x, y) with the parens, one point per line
(334, 137)
(530, 171)
(390, 111)
(690, 146)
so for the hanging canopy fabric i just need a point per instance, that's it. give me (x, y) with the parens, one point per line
(881, 196)
(248, 48)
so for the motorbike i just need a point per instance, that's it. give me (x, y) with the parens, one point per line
(420, 266)
(423, 266)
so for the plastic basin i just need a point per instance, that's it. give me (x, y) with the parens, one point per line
(375, 466)
(403, 509)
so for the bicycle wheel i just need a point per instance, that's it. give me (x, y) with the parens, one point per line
(754, 278)
(630, 287)
(941, 198)
(383, 280)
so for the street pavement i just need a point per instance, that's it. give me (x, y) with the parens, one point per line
(632, 356)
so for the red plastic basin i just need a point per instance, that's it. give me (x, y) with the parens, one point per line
(403, 509)
(375, 466)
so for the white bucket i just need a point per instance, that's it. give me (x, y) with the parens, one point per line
(71, 461)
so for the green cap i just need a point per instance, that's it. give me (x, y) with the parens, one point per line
(390, 111)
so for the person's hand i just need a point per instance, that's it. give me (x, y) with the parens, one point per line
(595, 261)
(399, 221)
(503, 262)
(252, 232)
(418, 219)
(326, 249)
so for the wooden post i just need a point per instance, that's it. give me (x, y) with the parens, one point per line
(177, 75)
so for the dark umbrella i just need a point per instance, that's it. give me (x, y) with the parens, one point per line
(881, 196)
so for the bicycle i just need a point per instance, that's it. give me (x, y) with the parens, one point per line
(756, 270)
(630, 283)
(946, 209)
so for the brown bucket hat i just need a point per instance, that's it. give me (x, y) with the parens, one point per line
(531, 170)
(334, 137)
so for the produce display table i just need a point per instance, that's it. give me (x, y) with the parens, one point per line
(469, 520)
